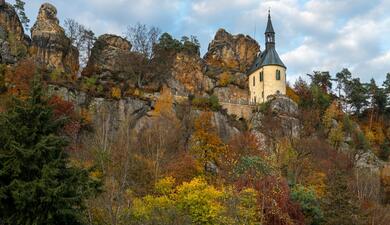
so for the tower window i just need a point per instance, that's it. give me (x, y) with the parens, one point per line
(277, 74)
(254, 80)
(261, 76)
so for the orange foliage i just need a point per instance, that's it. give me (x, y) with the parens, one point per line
(183, 168)
(291, 94)
(116, 93)
(225, 79)
(205, 143)
(86, 116)
(164, 103)
(18, 80)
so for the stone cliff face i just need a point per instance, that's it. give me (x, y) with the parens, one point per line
(13, 41)
(231, 52)
(110, 58)
(51, 46)
(187, 76)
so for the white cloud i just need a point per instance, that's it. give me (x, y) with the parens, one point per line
(311, 35)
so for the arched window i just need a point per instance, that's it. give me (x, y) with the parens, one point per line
(278, 92)
(277, 74)
(261, 76)
(254, 80)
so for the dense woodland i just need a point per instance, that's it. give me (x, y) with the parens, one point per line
(56, 167)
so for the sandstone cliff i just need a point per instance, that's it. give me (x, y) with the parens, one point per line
(110, 58)
(13, 41)
(52, 48)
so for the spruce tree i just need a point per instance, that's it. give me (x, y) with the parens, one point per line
(38, 184)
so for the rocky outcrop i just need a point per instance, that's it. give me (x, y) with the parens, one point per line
(231, 52)
(284, 110)
(109, 58)
(187, 76)
(13, 41)
(232, 94)
(52, 48)
(101, 111)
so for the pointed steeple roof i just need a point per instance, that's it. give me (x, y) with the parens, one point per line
(270, 28)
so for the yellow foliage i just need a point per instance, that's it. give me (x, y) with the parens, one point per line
(376, 134)
(86, 116)
(197, 199)
(333, 112)
(200, 201)
(292, 95)
(317, 181)
(336, 135)
(225, 79)
(164, 103)
(205, 142)
(165, 185)
(116, 93)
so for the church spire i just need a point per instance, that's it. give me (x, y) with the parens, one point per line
(269, 33)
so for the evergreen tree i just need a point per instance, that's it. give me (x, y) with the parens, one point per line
(19, 6)
(356, 95)
(340, 206)
(38, 183)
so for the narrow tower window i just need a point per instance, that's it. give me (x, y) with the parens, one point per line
(261, 76)
(277, 75)
(254, 80)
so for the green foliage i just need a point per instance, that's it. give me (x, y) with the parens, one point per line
(322, 80)
(187, 45)
(339, 204)
(19, 6)
(56, 74)
(336, 136)
(253, 166)
(3, 87)
(384, 153)
(211, 103)
(18, 49)
(38, 183)
(89, 83)
(309, 203)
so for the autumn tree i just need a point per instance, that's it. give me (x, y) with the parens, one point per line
(19, 78)
(205, 142)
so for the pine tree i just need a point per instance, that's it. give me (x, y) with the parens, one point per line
(19, 6)
(38, 184)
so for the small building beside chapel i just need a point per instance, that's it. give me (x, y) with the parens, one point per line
(267, 76)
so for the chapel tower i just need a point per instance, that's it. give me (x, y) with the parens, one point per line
(267, 76)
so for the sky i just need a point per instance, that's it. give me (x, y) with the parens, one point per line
(311, 35)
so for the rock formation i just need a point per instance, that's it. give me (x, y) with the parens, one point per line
(187, 76)
(13, 41)
(109, 58)
(51, 46)
(231, 52)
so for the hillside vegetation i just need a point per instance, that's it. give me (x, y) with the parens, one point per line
(140, 135)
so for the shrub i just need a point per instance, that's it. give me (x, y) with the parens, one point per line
(116, 93)
(225, 79)
(309, 203)
(205, 103)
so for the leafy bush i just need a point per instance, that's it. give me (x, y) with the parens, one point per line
(116, 93)
(309, 203)
(225, 79)
(211, 103)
